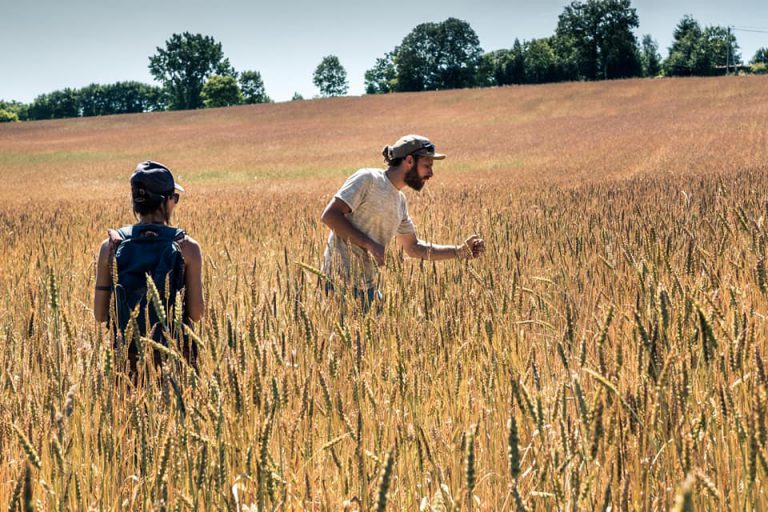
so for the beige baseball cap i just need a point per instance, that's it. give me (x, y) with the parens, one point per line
(412, 145)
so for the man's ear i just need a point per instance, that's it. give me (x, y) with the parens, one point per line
(409, 160)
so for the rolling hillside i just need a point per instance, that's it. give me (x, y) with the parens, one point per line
(561, 133)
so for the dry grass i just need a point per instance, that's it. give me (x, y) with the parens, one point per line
(618, 320)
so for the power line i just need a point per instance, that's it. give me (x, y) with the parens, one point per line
(751, 28)
(743, 29)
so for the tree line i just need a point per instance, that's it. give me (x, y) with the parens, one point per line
(593, 40)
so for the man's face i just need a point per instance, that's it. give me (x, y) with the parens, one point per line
(419, 172)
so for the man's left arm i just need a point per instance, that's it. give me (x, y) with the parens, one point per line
(473, 247)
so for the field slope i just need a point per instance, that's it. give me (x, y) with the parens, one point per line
(564, 133)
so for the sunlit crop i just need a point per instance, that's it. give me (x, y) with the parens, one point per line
(608, 350)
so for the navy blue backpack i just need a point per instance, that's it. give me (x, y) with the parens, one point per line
(140, 250)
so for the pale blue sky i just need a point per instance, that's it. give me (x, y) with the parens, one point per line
(52, 44)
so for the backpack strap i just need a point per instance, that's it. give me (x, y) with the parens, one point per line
(142, 230)
(114, 238)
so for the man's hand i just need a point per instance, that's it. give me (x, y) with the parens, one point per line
(474, 247)
(377, 251)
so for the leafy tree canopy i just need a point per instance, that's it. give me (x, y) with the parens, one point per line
(8, 117)
(761, 56)
(252, 88)
(184, 65)
(221, 91)
(55, 105)
(16, 107)
(382, 77)
(596, 38)
(650, 60)
(697, 51)
(442, 55)
(331, 77)
(503, 67)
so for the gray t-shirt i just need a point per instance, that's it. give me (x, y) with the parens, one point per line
(380, 211)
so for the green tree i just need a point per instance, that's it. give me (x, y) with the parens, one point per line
(701, 52)
(721, 48)
(221, 91)
(331, 77)
(595, 36)
(760, 57)
(382, 77)
(184, 65)
(485, 70)
(119, 98)
(503, 67)
(650, 60)
(7, 116)
(252, 87)
(442, 55)
(687, 55)
(297, 97)
(16, 107)
(514, 72)
(92, 101)
(540, 61)
(55, 105)
(131, 97)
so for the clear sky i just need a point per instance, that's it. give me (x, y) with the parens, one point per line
(52, 44)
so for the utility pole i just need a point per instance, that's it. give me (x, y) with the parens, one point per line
(728, 53)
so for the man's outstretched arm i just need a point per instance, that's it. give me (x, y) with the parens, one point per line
(335, 217)
(473, 247)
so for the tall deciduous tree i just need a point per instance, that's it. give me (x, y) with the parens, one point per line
(331, 77)
(687, 54)
(650, 60)
(252, 88)
(185, 64)
(596, 37)
(442, 55)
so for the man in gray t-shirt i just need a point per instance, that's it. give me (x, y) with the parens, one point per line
(370, 209)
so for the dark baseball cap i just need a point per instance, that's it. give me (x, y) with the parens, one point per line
(413, 145)
(155, 178)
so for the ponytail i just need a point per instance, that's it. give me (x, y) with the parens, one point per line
(387, 153)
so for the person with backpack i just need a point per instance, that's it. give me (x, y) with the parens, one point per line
(370, 209)
(150, 249)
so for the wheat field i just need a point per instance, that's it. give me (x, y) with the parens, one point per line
(608, 351)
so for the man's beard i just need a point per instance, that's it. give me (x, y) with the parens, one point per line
(412, 178)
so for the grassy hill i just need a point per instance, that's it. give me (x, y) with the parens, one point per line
(561, 133)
